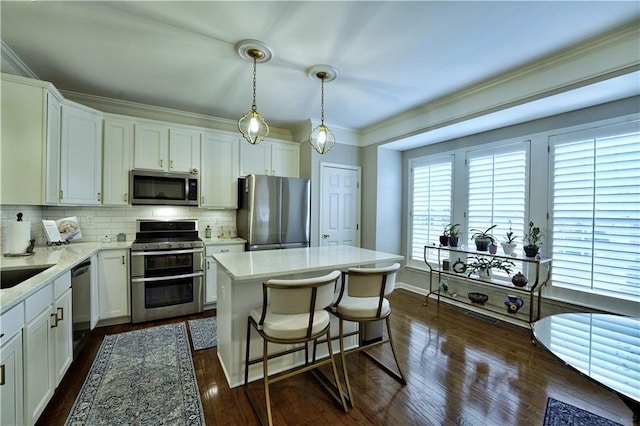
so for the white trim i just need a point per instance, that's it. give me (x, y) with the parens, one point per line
(9, 57)
(323, 166)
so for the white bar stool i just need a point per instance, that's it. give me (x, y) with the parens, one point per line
(293, 311)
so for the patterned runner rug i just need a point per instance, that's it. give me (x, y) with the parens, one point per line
(204, 333)
(142, 377)
(561, 414)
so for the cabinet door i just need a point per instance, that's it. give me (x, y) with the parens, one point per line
(255, 159)
(39, 374)
(52, 167)
(219, 174)
(184, 150)
(116, 161)
(80, 157)
(11, 391)
(285, 159)
(211, 280)
(210, 290)
(113, 284)
(62, 329)
(23, 116)
(151, 147)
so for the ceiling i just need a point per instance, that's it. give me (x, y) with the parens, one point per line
(391, 56)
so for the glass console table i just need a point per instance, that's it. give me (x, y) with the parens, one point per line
(603, 347)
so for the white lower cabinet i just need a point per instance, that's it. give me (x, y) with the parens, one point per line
(11, 378)
(48, 344)
(211, 282)
(113, 284)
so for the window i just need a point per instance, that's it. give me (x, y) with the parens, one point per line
(430, 194)
(497, 189)
(595, 200)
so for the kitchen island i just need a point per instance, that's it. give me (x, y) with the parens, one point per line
(240, 278)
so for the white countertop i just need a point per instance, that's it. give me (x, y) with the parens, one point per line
(272, 263)
(60, 258)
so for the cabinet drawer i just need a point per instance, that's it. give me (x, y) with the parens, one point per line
(224, 248)
(37, 302)
(12, 321)
(61, 284)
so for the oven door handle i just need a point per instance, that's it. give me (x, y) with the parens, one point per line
(166, 252)
(172, 277)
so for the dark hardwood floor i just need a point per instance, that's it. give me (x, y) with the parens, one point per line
(460, 370)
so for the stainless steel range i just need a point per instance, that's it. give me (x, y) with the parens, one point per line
(167, 269)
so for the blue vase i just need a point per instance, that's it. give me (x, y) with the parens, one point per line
(513, 304)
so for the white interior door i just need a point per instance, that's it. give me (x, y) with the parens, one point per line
(339, 205)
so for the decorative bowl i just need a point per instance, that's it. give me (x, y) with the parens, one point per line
(478, 298)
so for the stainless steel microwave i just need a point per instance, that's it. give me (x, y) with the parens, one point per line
(163, 188)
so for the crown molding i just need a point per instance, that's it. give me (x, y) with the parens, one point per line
(343, 135)
(601, 58)
(152, 112)
(14, 63)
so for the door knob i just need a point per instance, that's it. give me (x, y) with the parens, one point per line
(325, 236)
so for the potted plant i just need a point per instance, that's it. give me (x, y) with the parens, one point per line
(532, 240)
(454, 232)
(444, 238)
(482, 239)
(482, 266)
(509, 244)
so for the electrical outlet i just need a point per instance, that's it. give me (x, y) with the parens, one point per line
(90, 223)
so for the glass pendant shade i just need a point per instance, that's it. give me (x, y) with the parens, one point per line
(322, 139)
(253, 127)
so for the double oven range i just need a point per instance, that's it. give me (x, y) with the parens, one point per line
(167, 269)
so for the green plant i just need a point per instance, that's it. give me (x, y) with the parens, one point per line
(453, 229)
(482, 263)
(533, 237)
(486, 234)
(445, 230)
(509, 237)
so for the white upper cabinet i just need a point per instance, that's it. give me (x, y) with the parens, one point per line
(184, 150)
(151, 147)
(163, 148)
(26, 125)
(219, 174)
(273, 158)
(116, 161)
(80, 155)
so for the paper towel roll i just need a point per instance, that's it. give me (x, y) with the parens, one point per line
(19, 236)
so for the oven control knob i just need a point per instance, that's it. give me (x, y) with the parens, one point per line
(181, 245)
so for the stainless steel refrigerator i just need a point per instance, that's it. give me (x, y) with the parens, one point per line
(273, 212)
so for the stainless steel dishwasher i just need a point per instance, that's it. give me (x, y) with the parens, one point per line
(81, 307)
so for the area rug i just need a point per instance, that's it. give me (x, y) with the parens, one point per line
(142, 377)
(204, 333)
(560, 413)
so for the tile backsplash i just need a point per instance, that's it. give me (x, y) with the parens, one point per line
(97, 222)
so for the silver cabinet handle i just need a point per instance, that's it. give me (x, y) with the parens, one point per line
(126, 199)
(61, 311)
(99, 196)
(2, 374)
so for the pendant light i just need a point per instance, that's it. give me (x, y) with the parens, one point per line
(252, 126)
(321, 138)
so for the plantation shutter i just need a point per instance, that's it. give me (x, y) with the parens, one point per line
(596, 211)
(497, 190)
(431, 205)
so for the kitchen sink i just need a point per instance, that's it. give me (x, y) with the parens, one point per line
(12, 277)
